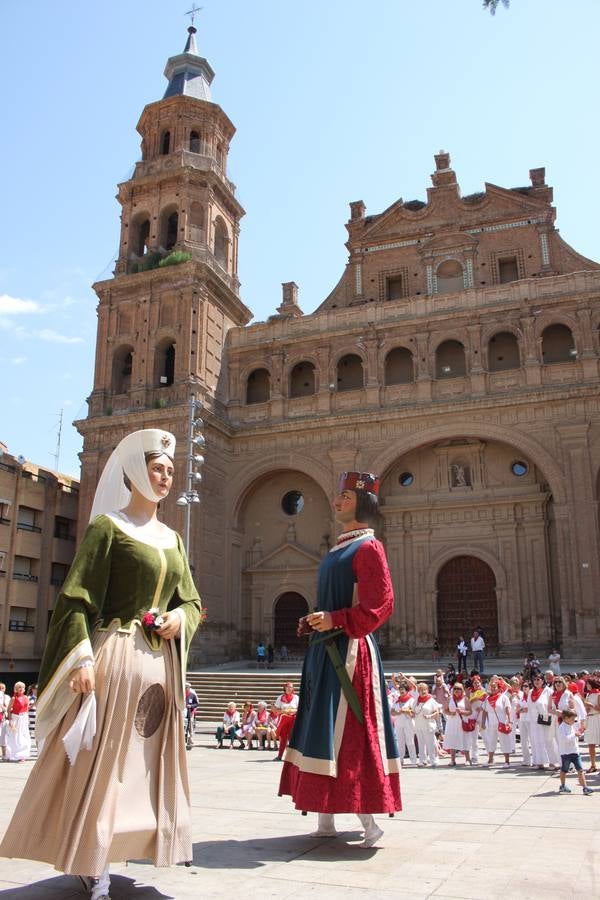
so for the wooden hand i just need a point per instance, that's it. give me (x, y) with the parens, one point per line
(170, 627)
(320, 621)
(83, 681)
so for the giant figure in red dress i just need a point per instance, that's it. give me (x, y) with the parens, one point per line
(336, 763)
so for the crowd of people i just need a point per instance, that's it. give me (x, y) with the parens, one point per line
(268, 727)
(552, 716)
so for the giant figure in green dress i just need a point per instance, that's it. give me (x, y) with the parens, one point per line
(110, 783)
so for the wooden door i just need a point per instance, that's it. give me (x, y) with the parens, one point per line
(466, 598)
(288, 609)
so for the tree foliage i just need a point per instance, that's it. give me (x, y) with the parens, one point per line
(493, 4)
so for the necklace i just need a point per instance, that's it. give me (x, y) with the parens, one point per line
(358, 532)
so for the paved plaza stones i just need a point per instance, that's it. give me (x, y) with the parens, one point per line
(464, 833)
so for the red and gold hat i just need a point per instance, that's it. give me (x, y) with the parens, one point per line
(359, 481)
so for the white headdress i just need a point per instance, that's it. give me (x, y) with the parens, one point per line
(128, 458)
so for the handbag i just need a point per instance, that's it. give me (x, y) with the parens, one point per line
(544, 720)
(503, 727)
(468, 724)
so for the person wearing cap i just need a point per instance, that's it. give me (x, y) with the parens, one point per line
(342, 755)
(110, 783)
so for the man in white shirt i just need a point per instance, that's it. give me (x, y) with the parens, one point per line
(477, 646)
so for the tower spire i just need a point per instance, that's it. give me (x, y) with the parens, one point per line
(189, 74)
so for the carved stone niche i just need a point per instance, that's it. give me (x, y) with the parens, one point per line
(460, 465)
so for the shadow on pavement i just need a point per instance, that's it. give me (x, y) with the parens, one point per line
(258, 851)
(67, 887)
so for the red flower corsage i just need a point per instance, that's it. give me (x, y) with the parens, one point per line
(152, 619)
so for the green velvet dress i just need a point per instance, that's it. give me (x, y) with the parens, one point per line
(127, 797)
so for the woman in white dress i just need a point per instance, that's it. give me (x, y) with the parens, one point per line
(497, 722)
(427, 714)
(403, 714)
(4, 701)
(592, 723)
(522, 717)
(18, 738)
(455, 738)
(544, 748)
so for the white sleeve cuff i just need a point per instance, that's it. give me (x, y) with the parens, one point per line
(88, 661)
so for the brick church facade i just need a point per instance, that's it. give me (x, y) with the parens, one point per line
(458, 357)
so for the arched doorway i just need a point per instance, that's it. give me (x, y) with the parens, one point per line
(288, 609)
(466, 598)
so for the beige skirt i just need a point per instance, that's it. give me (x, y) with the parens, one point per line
(127, 797)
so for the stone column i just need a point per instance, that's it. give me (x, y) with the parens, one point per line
(530, 352)
(583, 533)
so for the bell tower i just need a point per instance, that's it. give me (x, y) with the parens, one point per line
(174, 294)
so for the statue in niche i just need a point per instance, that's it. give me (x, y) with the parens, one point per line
(256, 551)
(460, 475)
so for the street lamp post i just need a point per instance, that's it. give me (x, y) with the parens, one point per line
(195, 443)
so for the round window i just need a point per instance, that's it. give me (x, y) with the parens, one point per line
(519, 468)
(292, 503)
(406, 479)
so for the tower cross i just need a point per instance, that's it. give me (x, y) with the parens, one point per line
(192, 12)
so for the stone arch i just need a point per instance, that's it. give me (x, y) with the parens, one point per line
(448, 553)
(558, 344)
(538, 455)
(122, 364)
(399, 366)
(195, 144)
(258, 385)
(468, 552)
(169, 227)
(350, 372)
(244, 483)
(450, 359)
(221, 242)
(164, 362)
(503, 351)
(165, 142)
(288, 606)
(449, 276)
(302, 379)
(196, 223)
(555, 318)
(139, 234)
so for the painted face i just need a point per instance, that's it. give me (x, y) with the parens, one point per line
(160, 473)
(345, 507)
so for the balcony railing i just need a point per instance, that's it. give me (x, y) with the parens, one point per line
(25, 526)
(17, 625)
(20, 576)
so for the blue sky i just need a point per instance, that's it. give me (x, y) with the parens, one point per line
(333, 101)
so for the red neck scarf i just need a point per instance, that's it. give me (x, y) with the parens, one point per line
(493, 698)
(262, 715)
(536, 693)
(556, 695)
(287, 698)
(423, 698)
(404, 697)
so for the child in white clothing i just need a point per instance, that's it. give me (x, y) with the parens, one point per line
(568, 747)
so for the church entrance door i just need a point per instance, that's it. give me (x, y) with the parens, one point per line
(289, 607)
(466, 598)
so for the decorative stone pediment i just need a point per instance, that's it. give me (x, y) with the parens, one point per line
(442, 243)
(287, 556)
